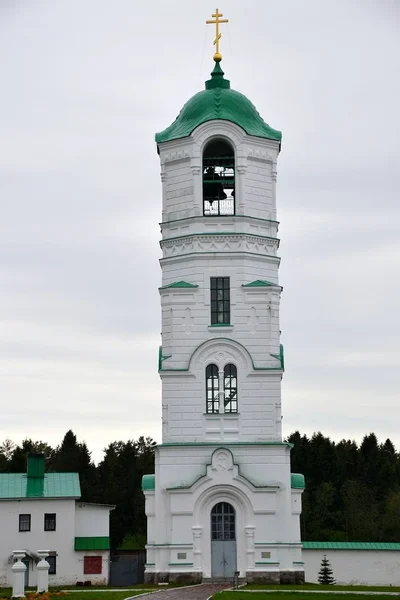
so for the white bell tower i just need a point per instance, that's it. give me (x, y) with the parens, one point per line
(223, 499)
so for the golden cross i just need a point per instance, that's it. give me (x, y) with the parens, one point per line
(216, 22)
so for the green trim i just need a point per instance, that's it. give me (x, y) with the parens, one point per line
(148, 482)
(170, 545)
(278, 544)
(297, 481)
(280, 356)
(201, 217)
(221, 325)
(219, 233)
(92, 543)
(260, 283)
(218, 102)
(267, 562)
(296, 562)
(161, 370)
(161, 358)
(241, 252)
(351, 546)
(149, 564)
(179, 284)
(218, 444)
(180, 564)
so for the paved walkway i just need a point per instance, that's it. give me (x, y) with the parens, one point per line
(193, 592)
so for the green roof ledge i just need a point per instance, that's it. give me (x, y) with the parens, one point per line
(180, 285)
(218, 102)
(260, 283)
(297, 481)
(148, 483)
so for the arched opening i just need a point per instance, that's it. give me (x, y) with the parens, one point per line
(230, 389)
(212, 389)
(223, 541)
(218, 179)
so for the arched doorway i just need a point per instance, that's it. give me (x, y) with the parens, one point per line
(223, 541)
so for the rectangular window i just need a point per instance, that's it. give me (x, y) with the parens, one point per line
(52, 560)
(220, 301)
(50, 521)
(24, 522)
(92, 565)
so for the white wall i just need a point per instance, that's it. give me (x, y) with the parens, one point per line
(355, 567)
(69, 564)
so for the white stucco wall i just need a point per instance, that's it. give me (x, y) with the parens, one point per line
(86, 521)
(355, 567)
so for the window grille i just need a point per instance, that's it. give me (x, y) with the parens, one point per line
(24, 522)
(223, 522)
(50, 521)
(212, 391)
(52, 560)
(230, 389)
(220, 301)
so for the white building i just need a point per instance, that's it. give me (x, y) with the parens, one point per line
(42, 511)
(223, 499)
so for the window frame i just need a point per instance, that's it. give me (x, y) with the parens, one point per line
(47, 520)
(219, 155)
(212, 391)
(230, 374)
(20, 521)
(220, 300)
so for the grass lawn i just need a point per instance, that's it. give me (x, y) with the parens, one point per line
(316, 586)
(290, 595)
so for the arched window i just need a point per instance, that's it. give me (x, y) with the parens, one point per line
(212, 391)
(218, 179)
(230, 389)
(223, 522)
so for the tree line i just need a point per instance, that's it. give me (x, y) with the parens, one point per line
(352, 491)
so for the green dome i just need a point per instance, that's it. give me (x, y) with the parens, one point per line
(218, 101)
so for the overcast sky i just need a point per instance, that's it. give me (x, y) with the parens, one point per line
(85, 84)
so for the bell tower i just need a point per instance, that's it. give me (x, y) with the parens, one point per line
(223, 498)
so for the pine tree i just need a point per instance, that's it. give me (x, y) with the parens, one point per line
(325, 575)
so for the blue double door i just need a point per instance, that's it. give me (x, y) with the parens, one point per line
(223, 541)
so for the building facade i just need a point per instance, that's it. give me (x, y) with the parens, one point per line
(222, 499)
(42, 511)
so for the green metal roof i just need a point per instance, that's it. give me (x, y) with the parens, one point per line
(297, 481)
(260, 283)
(92, 543)
(351, 546)
(218, 102)
(148, 482)
(52, 485)
(179, 284)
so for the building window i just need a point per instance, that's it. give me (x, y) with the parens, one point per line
(212, 390)
(220, 301)
(52, 560)
(92, 565)
(50, 521)
(218, 179)
(230, 389)
(223, 522)
(24, 522)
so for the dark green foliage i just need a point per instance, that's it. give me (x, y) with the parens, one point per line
(352, 492)
(325, 574)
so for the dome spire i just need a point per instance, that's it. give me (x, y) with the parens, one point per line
(217, 55)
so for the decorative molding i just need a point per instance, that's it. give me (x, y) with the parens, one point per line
(260, 155)
(175, 157)
(224, 242)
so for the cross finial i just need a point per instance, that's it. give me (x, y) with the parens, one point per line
(217, 20)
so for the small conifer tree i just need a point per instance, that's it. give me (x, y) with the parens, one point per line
(325, 574)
